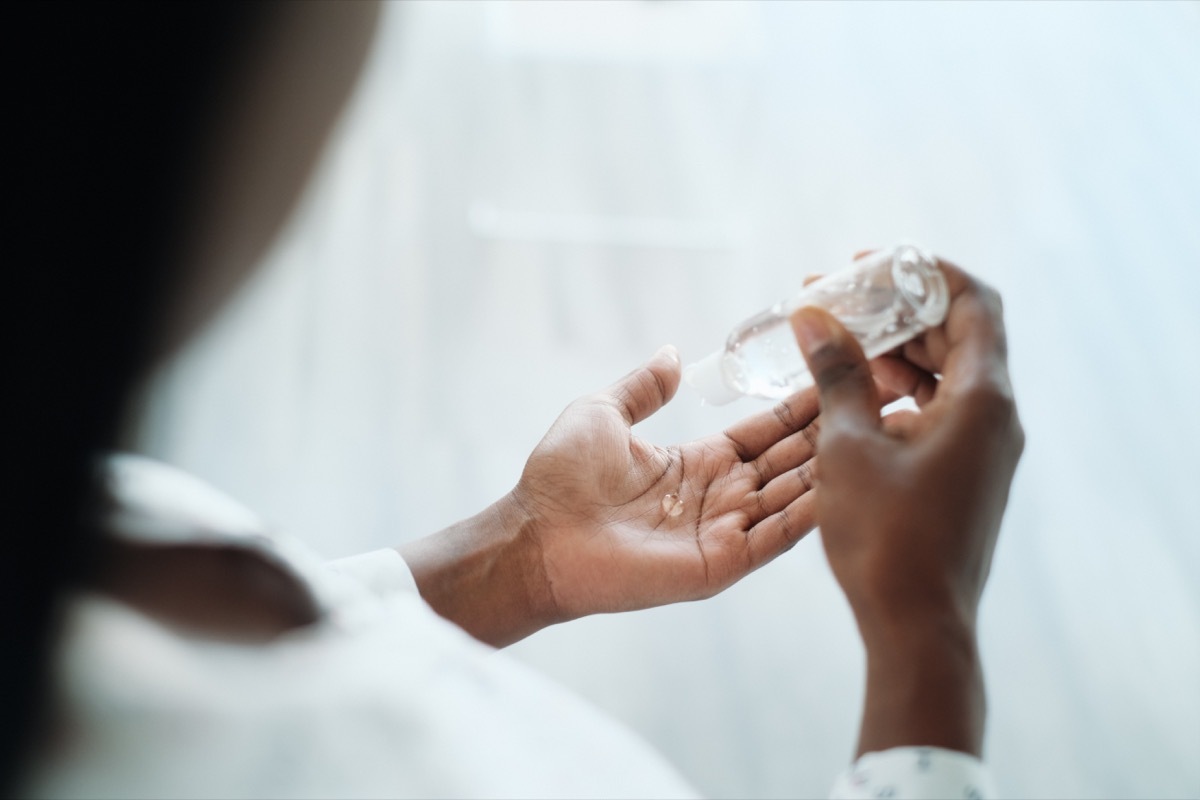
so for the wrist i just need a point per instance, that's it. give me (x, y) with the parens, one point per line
(925, 608)
(486, 574)
(924, 686)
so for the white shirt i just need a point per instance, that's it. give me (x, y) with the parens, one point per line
(382, 698)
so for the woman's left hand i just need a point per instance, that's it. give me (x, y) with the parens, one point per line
(623, 524)
(604, 521)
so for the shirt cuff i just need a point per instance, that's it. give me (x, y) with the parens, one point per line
(382, 572)
(917, 772)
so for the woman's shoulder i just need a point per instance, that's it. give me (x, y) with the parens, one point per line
(150, 502)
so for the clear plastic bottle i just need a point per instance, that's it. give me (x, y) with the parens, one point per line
(884, 299)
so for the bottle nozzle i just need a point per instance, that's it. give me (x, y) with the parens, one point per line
(707, 377)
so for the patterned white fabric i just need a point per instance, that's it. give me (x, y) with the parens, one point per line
(927, 773)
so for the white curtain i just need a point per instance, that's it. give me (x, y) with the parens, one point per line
(524, 201)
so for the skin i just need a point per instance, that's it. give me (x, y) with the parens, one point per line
(578, 535)
(277, 116)
(910, 508)
(584, 530)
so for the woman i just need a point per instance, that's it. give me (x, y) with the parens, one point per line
(166, 644)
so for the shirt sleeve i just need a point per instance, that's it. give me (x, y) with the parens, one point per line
(915, 772)
(382, 572)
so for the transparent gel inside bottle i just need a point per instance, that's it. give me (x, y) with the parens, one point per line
(884, 299)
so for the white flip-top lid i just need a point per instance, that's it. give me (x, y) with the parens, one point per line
(707, 377)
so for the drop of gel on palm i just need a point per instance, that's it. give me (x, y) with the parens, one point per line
(672, 506)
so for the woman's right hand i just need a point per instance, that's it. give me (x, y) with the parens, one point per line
(909, 507)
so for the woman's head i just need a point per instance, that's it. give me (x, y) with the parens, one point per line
(160, 148)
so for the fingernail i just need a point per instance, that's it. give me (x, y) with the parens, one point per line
(811, 330)
(670, 351)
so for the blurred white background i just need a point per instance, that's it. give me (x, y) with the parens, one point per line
(526, 200)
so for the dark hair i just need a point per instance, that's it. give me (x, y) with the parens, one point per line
(111, 105)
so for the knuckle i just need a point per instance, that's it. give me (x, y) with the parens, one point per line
(994, 303)
(992, 403)
(840, 372)
(1018, 436)
(845, 438)
(760, 503)
(812, 433)
(762, 471)
(790, 533)
(990, 297)
(785, 415)
(642, 386)
(807, 474)
(996, 300)
(981, 287)
(654, 385)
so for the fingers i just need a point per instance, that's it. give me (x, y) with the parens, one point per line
(752, 436)
(886, 394)
(902, 424)
(967, 351)
(972, 351)
(916, 352)
(904, 379)
(848, 397)
(784, 489)
(787, 454)
(779, 532)
(648, 388)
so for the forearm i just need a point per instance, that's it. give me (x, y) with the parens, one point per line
(924, 687)
(485, 574)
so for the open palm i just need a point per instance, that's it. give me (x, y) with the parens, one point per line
(610, 528)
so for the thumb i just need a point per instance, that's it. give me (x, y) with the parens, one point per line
(848, 394)
(648, 388)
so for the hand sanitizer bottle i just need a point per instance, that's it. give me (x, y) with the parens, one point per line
(884, 300)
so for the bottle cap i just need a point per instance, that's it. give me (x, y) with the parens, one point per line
(708, 378)
(921, 284)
